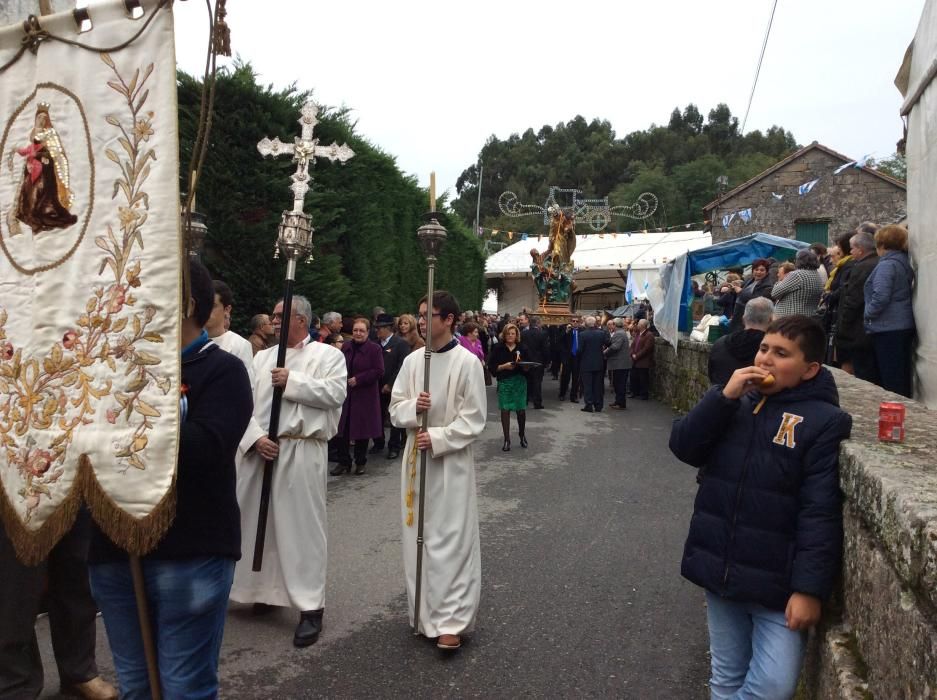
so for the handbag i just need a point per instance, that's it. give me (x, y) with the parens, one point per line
(488, 381)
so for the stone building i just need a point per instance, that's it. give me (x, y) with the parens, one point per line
(835, 205)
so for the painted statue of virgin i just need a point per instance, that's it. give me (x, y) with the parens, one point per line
(44, 197)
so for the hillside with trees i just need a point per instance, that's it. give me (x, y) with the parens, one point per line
(365, 212)
(679, 162)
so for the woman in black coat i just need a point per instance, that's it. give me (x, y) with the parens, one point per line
(757, 286)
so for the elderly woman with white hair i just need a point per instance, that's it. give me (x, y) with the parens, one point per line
(799, 292)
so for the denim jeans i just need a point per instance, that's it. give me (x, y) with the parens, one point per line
(188, 599)
(753, 653)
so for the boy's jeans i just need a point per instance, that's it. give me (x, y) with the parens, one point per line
(188, 599)
(754, 654)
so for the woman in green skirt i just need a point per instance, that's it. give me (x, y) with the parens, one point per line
(512, 384)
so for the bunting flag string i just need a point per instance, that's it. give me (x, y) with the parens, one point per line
(481, 231)
(745, 215)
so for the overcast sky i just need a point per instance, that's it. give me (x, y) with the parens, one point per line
(429, 82)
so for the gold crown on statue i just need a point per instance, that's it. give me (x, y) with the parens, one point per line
(43, 107)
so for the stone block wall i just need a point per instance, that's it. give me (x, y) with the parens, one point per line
(680, 379)
(878, 638)
(843, 200)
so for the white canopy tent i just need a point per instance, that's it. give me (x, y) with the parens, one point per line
(916, 80)
(600, 264)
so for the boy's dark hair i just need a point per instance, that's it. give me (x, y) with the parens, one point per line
(807, 333)
(446, 303)
(201, 290)
(224, 293)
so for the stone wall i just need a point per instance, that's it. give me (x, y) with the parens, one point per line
(843, 200)
(878, 638)
(679, 380)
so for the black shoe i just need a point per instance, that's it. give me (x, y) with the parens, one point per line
(393, 454)
(506, 447)
(340, 469)
(262, 609)
(587, 409)
(360, 469)
(308, 629)
(523, 441)
(562, 397)
(630, 395)
(538, 405)
(574, 400)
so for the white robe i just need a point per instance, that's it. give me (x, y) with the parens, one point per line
(451, 556)
(229, 341)
(293, 571)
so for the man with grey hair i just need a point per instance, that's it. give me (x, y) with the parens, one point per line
(618, 362)
(592, 343)
(642, 359)
(850, 330)
(314, 383)
(331, 323)
(738, 349)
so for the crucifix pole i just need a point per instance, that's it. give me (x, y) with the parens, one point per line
(431, 236)
(293, 242)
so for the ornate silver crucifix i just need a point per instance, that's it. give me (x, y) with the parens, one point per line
(294, 241)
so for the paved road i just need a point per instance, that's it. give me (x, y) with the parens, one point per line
(581, 538)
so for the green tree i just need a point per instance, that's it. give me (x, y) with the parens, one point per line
(894, 165)
(678, 162)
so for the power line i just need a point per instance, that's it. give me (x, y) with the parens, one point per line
(764, 45)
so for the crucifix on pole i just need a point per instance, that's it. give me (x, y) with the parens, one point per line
(294, 241)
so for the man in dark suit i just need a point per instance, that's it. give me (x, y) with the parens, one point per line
(569, 379)
(592, 344)
(642, 359)
(538, 350)
(395, 350)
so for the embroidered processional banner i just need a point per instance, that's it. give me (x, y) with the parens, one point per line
(89, 276)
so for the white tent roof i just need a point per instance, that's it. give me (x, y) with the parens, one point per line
(643, 251)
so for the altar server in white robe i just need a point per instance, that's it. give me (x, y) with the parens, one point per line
(294, 561)
(457, 408)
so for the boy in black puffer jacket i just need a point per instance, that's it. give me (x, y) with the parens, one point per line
(765, 539)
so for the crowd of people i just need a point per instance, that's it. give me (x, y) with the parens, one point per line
(860, 290)
(353, 388)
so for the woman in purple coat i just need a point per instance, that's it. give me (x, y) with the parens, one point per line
(361, 414)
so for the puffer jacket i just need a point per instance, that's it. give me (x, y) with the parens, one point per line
(888, 294)
(767, 521)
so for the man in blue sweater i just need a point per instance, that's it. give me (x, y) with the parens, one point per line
(766, 535)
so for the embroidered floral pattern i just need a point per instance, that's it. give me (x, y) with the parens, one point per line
(53, 396)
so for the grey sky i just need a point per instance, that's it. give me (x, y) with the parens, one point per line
(428, 82)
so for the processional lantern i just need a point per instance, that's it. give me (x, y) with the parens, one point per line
(431, 235)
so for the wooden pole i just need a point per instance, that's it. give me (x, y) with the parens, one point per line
(273, 431)
(143, 613)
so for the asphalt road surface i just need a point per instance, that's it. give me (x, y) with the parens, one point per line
(581, 537)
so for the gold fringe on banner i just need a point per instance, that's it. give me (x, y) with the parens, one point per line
(137, 536)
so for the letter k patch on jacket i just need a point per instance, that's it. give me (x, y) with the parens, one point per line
(785, 434)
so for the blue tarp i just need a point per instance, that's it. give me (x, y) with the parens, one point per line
(672, 302)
